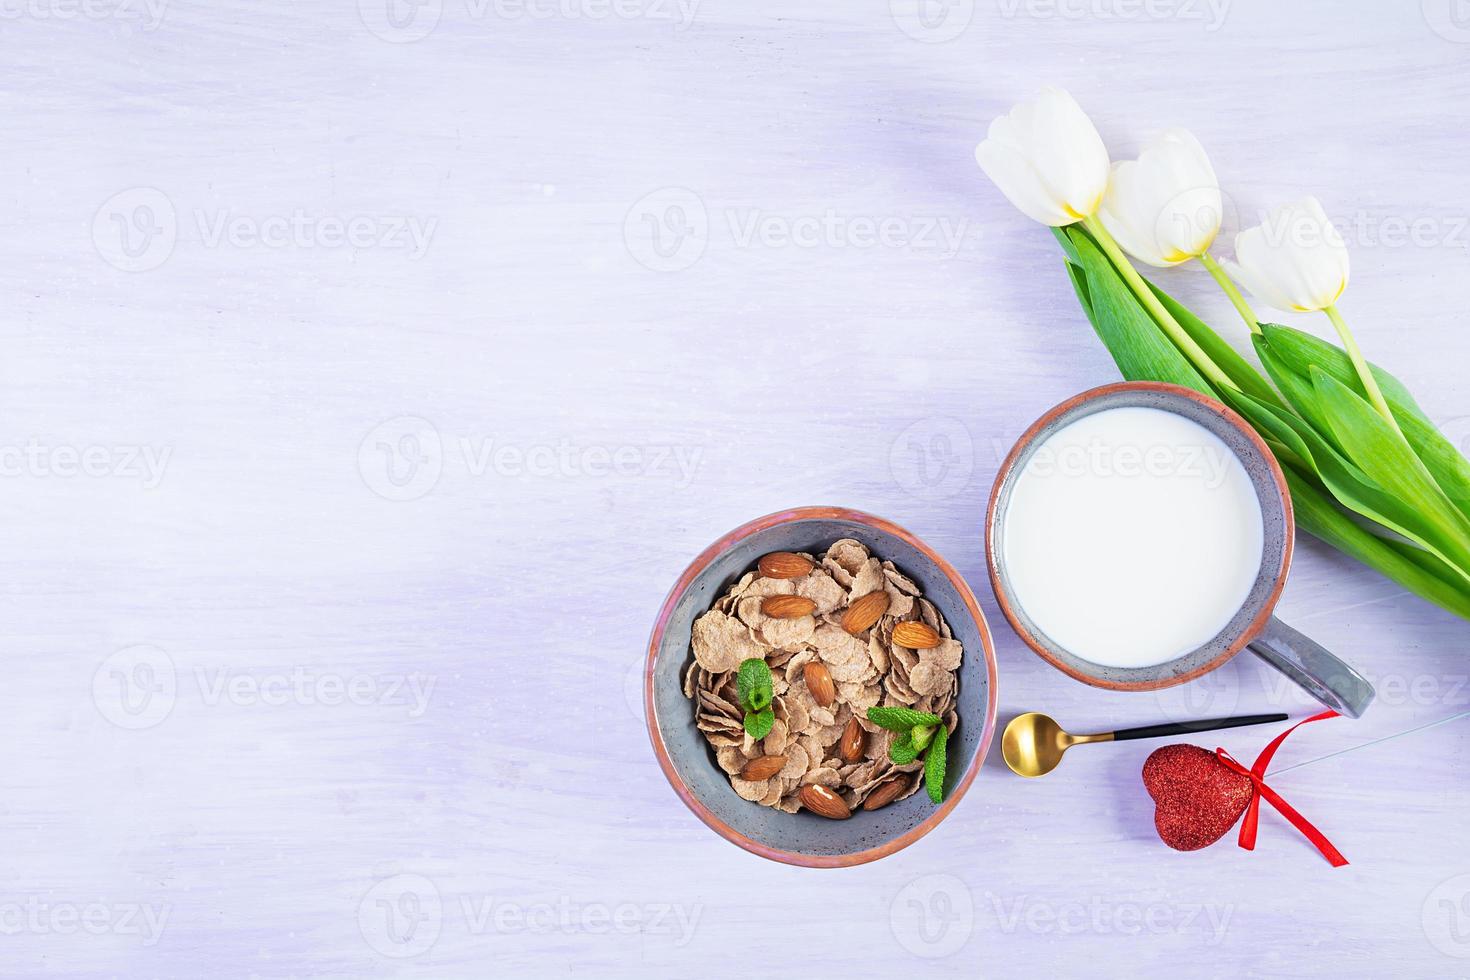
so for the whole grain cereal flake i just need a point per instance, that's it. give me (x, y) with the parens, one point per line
(868, 670)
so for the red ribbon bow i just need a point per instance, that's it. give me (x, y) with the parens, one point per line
(1256, 774)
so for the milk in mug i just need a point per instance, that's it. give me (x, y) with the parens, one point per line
(1132, 537)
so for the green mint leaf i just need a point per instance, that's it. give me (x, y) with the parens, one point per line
(900, 719)
(758, 723)
(921, 735)
(903, 751)
(753, 685)
(934, 766)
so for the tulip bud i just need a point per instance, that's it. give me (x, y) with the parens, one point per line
(1047, 159)
(1295, 261)
(1164, 208)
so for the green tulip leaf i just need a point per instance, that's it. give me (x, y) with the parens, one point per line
(1415, 570)
(1385, 459)
(1346, 482)
(1063, 236)
(1079, 286)
(1285, 351)
(1296, 387)
(1270, 422)
(1302, 351)
(1236, 367)
(1139, 348)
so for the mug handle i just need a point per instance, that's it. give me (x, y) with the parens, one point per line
(1315, 669)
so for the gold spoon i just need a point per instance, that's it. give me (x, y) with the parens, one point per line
(1033, 743)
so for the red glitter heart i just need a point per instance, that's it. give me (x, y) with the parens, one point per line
(1197, 799)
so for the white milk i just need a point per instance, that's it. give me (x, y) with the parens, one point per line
(1133, 536)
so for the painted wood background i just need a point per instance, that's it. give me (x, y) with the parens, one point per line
(372, 369)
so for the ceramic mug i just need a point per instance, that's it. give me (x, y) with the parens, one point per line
(1304, 661)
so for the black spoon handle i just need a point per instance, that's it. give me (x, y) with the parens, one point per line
(1190, 727)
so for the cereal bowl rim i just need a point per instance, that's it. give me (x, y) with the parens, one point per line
(697, 568)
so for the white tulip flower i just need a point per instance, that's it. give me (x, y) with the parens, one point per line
(1295, 261)
(1164, 208)
(1047, 159)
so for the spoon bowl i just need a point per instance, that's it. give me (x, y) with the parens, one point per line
(1033, 744)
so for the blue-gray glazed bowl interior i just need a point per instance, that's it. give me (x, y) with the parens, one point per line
(1276, 551)
(805, 835)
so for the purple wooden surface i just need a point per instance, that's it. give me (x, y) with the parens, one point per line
(397, 421)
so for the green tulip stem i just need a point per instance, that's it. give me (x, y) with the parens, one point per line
(1150, 302)
(1365, 375)
(1236, 300)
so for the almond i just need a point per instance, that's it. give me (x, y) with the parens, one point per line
(819, 682)
(824, 803)
(763, 768)
(784, 564)
(853, 739)
(787, 606)
(915, 636)
(883, 795)
(864, 612)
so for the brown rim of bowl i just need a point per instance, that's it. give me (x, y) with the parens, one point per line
(700, 810)
(1248, 634)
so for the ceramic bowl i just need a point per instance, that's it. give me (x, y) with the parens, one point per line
(803, 838)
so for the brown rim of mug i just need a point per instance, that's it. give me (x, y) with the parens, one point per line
(696, 568)
(1251, 631)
